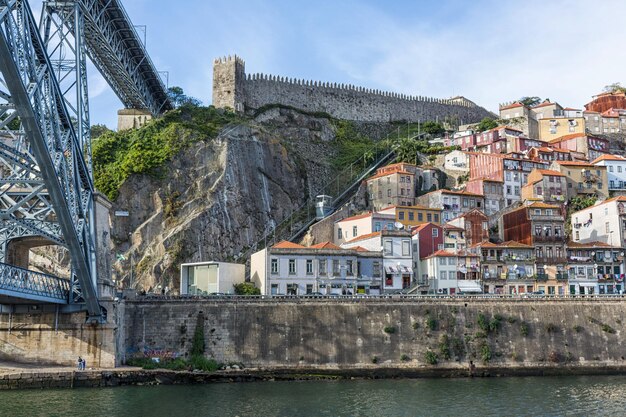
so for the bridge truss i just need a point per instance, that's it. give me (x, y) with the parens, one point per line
(46, 186)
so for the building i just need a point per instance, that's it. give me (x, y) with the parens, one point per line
(605, 222)
(591, 146)
(205, 278)
(612, 120)
(362, 224)
(605, 101)
(615, 170)
(507, 268)
(519, 116)
(456, 161)
(453, 238)
(413, 215)
(554, 127)
(491, 189)
(583, 178)
(392, 185)
(475, 225)
(547, 154)
(291, 269)
(397, 256)
(453, 203)
(595, 268)
(427, 238)
(545, 185)
(450, 273)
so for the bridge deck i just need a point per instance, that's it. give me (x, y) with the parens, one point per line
(23, 284)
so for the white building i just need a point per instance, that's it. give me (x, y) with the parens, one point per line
(397, 256)
(205, 278)
(291, 269)
(362, 224)
(616, 170)
(457, 161)
(604, 222)
(451, 273)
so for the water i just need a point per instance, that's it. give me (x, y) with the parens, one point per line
(530, 396)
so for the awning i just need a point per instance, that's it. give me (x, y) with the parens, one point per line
(400, 269)
(469, 286)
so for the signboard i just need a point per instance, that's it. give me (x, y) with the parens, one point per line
(120, 213)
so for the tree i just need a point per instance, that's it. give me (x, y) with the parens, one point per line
(615, 88)
(486, 124)
(530, 101)
(98, 130)
(246, 288)
(432, 128)
(178, 98)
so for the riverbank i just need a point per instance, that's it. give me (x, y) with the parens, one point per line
(33, 378)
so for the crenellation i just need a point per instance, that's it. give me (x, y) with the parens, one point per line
(233, 88)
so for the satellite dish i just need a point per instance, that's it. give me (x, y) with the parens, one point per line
(398, 225)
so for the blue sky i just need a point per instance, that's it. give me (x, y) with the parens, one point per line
(488, 51)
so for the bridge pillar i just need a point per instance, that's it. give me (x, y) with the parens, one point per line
(106, 286)
(132, 118)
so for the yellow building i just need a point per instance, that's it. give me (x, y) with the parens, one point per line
(583, 178)
(414, 215)
(554, 127)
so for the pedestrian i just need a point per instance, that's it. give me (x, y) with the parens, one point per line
(84, 364)
(80, 363)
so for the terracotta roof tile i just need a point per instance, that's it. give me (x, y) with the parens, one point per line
(285, 244)
(607, 157)
(594, 244)
(357, 217)
(325, 245)
(364, 237)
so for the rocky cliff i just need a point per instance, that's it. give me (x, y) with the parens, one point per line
(216, 197)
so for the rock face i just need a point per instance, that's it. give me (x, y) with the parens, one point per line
(218, 197)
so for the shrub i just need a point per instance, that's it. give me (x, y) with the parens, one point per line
(480, 335)
(246, 288)
(374, 359)
(431, 323)
(494, 323)
(444, 346)
(578, 328)
(511, 319)
(404, 357)
(608, 329)
(203, 364)
(482, 322)
(431, 357)
(389, 329)
(485, 352)
(416, 325)
(523, 329)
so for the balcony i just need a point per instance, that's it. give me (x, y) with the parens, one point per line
(550, 261)
(548, 239)
(492, 259)
(558, 217)
(542, 277)
(561, 276)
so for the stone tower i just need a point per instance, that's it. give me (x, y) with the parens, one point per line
(229, 75)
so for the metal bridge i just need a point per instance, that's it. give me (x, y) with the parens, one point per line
(46, 185)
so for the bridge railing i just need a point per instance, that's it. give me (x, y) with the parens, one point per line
(30, 283)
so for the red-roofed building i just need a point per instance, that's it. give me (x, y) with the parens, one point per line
(616, 170)
(493, 190)
(604, 222)
(362, 224)
(595, 268)
(453, 203)
(451, 272)
(429, 239)
(583, 178)
(392, 185)
(605, 101)
(592, 146)
(611, 120)
(475, 225)
(507, 268)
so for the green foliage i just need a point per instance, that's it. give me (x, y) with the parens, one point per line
(579, 202)
(608, 329)
(197, 344)
(486, 124)
(578, 328)
(416, 325)
(483, 323)
(530, 101)
(98, 130)
(615, 88)
(374, 359)
(494, 323)
(431, 357)
(523, 329)
(444, 346)
(404, 357)
(351, 145)
(389, 329)
(117, 155)
(246, 288)
(178, 98)
(432, 128)
(485, 352)
(431, 323)
(203, 364)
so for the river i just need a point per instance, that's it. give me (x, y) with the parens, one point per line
(528, 396)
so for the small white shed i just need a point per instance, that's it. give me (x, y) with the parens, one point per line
(205, 278)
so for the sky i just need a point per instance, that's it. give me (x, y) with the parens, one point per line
(488, 51)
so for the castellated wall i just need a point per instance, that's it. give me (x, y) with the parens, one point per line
(232, 87)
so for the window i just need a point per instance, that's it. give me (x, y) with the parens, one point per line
(508, 189)
(376, 268)
(274, 267)
(436, 217)
(339, 233)
(557, 231)
(442, 261)
(539, 191)
(606, 227)
(401, 191)
(537, 230)
(322, 266)
(548, 212)
(420, 217)
(443, 274)
(465, 202)
(354, 231)
(517, 190)
(387, 247)
(389, 226)
(429, 217)
(619, 168)
(335, 267)
(389, 192)
(435, 232)
(309, 266)
(274, 289)
(401, 215)
(309, 288)
(377, 227)
(485, 226)
(406, 248)
(411, 216)
(349, 269)
(610, 168)
(292, 266)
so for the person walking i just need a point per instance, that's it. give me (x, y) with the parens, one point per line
(84, 364)
(80, 363)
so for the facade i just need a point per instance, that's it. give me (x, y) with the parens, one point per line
(205, 278)
(615, 166)
(545, 185)
(291, 269)
(453, 203)
(453, 238)
(595, 268)
(554, 127)
(361, 224)
(583, 178)
(492, 190)
(542, 226)
(612, 120)
(413, 215)
(605, 101)
(604, 222)
(456, 161)
(475, 225)
(591, 146)
(451, 273)
(507, 268)
(392, 185)
(427, 239)
(397, 256)
(521, 117)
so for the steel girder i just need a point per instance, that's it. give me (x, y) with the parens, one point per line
(31, 285)
(49, 190)
(116, 50)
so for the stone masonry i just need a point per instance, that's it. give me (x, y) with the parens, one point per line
(235, 89)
